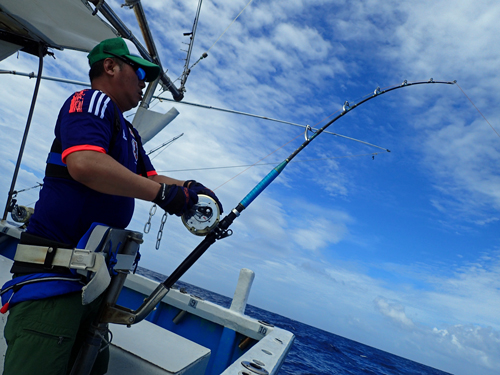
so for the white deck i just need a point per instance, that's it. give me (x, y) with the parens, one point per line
(146, 348)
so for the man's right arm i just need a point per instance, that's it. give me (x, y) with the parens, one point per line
(100, 172)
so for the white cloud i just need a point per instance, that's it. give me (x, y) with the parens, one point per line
(464, 159)
(473, 343)
(394, 311)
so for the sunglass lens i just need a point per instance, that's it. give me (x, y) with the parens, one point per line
(141, 74)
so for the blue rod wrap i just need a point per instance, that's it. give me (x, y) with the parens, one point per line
(263, 184)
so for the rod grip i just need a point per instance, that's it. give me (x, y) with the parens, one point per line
(263, 184)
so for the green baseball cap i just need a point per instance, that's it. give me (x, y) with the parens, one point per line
(116, 47)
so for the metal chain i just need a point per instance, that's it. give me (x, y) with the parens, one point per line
(160, 231)
(147, 226)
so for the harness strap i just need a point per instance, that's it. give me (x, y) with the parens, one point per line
(77, 259)
(87, 259)
(55, 167)
(55, 157)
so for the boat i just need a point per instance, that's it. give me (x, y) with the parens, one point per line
(156, 328)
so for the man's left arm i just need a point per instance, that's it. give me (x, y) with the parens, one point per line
(192, 185)
(166, 180)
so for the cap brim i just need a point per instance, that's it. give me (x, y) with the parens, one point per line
(152, 70)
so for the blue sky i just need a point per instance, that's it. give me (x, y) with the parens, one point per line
(400, 251)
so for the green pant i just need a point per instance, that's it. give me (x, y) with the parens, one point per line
(44, 336)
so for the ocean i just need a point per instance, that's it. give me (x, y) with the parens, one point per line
(317, 352)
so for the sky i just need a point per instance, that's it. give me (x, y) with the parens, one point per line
(397, 250)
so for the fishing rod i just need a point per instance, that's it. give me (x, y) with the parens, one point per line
(204, 218)
(221, 229)
(167, 143)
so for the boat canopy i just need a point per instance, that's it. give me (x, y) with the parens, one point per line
(59, 24)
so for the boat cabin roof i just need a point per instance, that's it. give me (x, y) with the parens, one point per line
(59, 24)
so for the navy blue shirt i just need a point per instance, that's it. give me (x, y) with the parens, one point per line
(66, 208)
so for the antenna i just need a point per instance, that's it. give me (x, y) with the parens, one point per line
(191, 35)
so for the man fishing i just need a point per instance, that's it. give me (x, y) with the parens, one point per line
(96, 168)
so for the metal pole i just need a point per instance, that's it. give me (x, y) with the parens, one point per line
(41, 52)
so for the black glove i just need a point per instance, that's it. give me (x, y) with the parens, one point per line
(175, 200)
(200, 189)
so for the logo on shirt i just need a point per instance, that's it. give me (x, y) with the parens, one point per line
(135, 149)
(77, 102)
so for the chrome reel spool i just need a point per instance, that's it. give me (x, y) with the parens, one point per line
(202, 217)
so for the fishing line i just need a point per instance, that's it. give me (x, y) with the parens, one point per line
(205, 54)
(270, 119)
(265, 157)
(315, 133)
(275, 163)
(230, 25)
(491, 126)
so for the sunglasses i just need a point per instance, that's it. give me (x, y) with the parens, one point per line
(141, 74)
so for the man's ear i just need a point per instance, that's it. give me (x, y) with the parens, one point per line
(110, 66)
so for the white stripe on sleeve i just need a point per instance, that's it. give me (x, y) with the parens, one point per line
(98, 105)
(92, 101)
(104, 106)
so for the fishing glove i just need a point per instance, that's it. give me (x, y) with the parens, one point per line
(200, 189)
(175, 200)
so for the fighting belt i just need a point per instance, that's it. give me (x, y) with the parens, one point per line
(101, 253)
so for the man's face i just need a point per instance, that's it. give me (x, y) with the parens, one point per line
(128, 87)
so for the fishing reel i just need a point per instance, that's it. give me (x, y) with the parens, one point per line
(202, 217)
(21, 214)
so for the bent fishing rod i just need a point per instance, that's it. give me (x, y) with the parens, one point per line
(220, 229)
